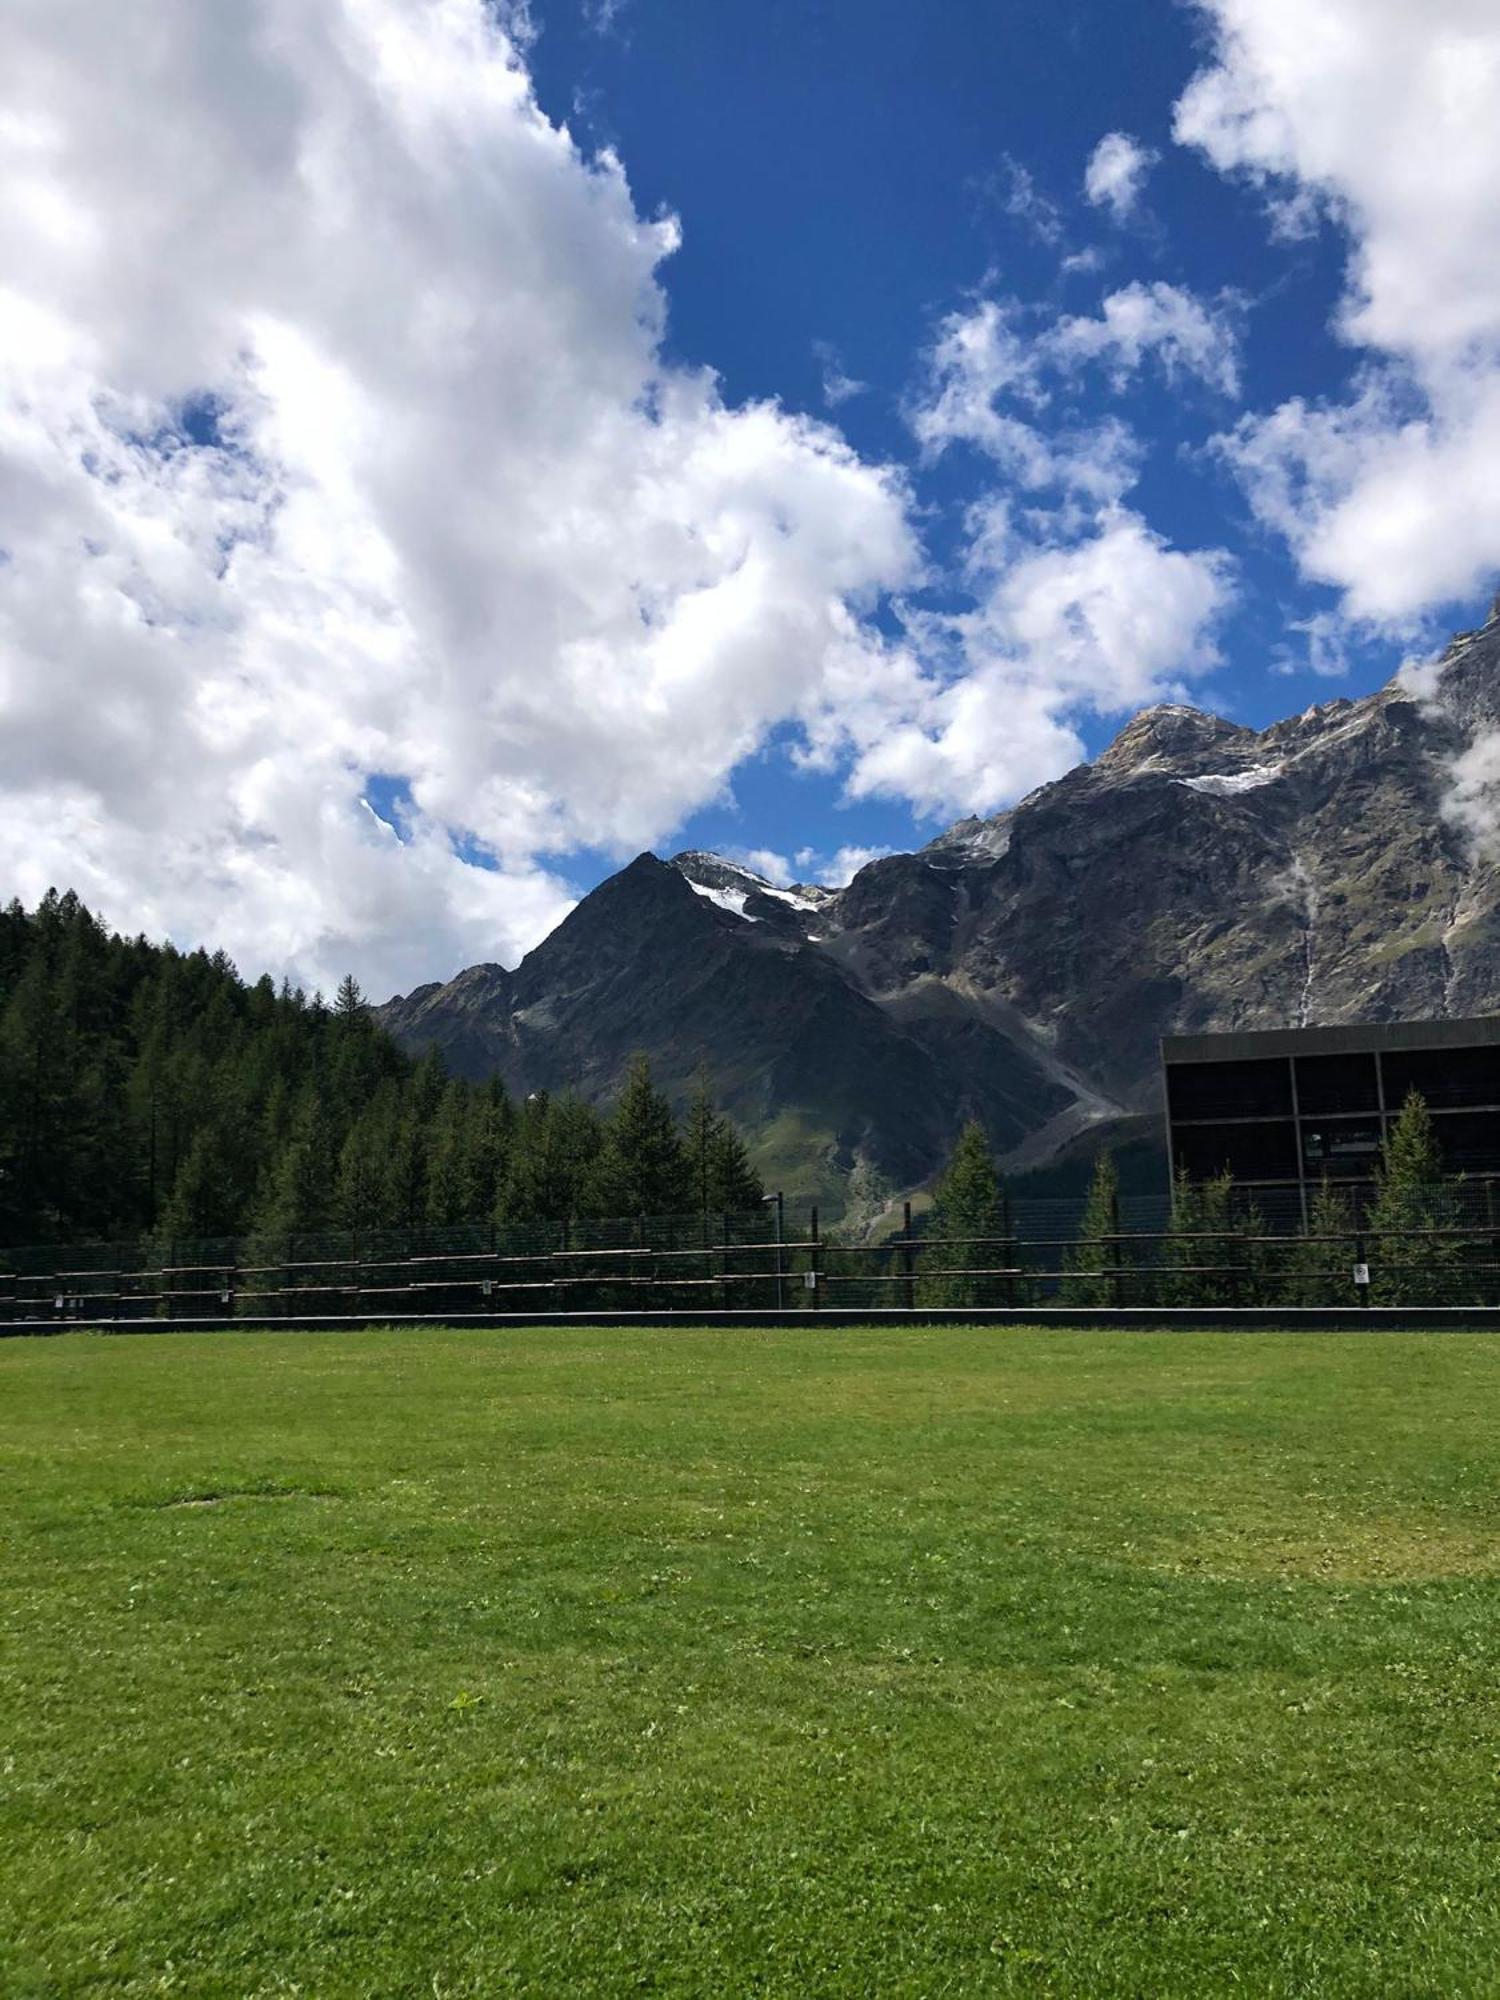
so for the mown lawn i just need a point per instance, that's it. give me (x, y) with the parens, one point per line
(711, 1663)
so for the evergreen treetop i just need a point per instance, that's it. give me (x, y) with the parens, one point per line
(643, 1167)
(965, 1225)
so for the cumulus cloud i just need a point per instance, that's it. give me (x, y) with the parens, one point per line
(1090, 622)
(1381, 119)
(837, 871)
(831, 871)
(337, 440)
(1080, 608)
(1116, 173)
(762, 861)
(1141, 322)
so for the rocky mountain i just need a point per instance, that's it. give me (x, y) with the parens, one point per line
(1198, 875)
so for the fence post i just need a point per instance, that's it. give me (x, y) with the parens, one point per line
(1359, 1259)
(780, 1253)
(817, 1275)
(1236, 1271)
(907, 1262)
(1008, 1248)
(1115, 1282)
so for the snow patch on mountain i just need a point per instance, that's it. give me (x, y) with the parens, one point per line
(732, 900)
(1224, 783)
(792, 896)
(712, 876)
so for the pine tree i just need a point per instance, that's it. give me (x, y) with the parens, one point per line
(1413, 1195)
(450, 1139)
(297, 1193)
(406, 1171)
(553, 1155)
(522, 1194)
(1203, 1255)
(722, 1180)
(965, 1226)
(1317, 1271)
(1095, 1252)
(575, 1142)
(359, 1201)
(642, 1168)
(493, 1134)
(735, 1186)
(205, 1199)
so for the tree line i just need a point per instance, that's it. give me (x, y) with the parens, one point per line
(1216, 1249)
(150, 1091)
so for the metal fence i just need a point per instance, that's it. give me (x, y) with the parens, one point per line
(765, 1261)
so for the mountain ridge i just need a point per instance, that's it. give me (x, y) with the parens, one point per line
(1198, 874)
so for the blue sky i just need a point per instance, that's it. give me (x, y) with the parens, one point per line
(847, 172)
(463, 446)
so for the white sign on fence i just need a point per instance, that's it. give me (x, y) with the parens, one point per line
(1361, 1274)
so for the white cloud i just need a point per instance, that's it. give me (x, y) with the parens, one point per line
(1080, 608)
(762, 861)
(1096, 623)
(1015, 189)
(1140, 321)
(1325, 650)
(839, 386)
(837, 871)
(601, 15)
(988, 376)
(980, 362)
(1380, 115)
(1116, 173)
(1472, 802)
(456, 520)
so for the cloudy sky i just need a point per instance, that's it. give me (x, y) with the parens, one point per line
(445, 450)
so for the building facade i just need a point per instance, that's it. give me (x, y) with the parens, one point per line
(1285, 1108)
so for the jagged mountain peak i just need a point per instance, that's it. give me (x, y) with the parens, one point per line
(1199, 874)
(743, 892)
(972, 839)
(1174, 739)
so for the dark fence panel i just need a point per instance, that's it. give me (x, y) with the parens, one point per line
(766, 1260)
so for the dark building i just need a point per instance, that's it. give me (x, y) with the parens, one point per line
(1286, 1107)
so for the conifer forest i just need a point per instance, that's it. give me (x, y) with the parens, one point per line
(147, 1090)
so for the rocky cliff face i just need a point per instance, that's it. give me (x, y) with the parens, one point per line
(1198, 875)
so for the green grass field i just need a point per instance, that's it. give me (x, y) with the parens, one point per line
(675, 1662)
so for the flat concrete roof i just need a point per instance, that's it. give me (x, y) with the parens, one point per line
(1356, 1038)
